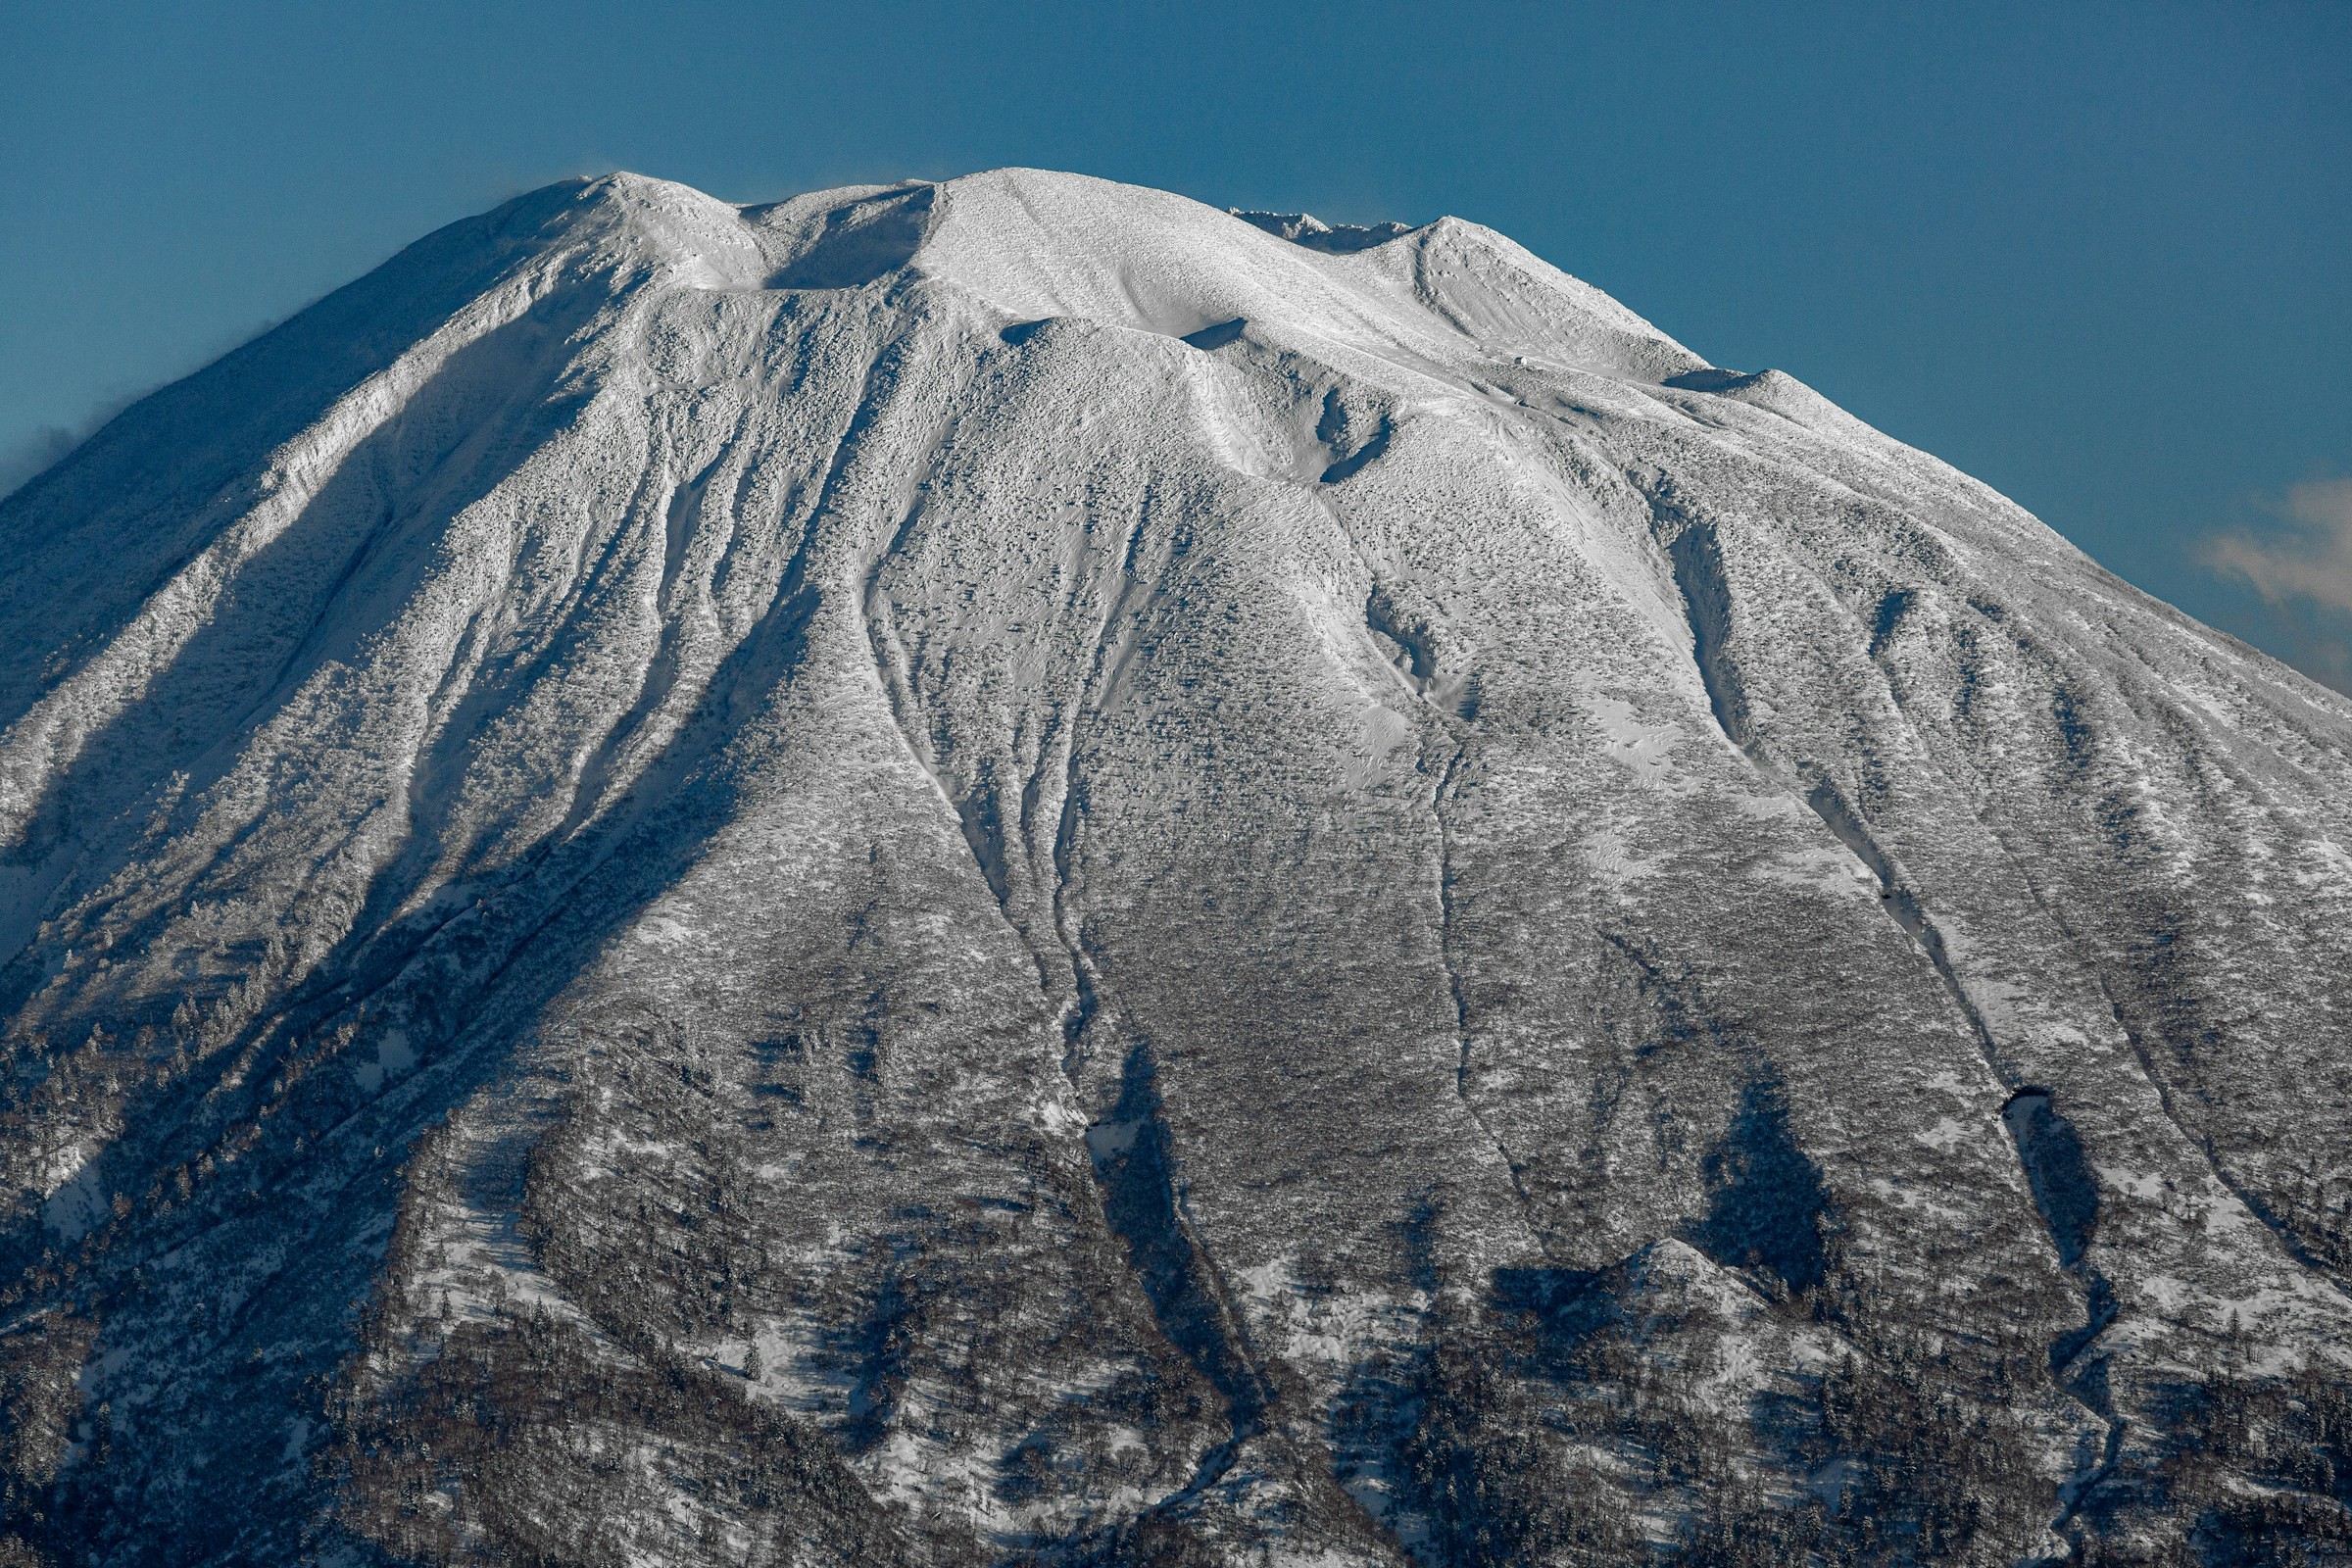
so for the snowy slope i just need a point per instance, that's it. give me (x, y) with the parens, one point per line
(1017, 872)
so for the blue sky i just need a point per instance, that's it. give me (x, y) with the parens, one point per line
(2099, 256)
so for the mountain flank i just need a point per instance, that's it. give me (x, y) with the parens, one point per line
(1017, 872)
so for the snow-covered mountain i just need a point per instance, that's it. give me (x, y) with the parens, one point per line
(1017, 872)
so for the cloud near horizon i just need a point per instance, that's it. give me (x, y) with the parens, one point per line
(2303, 569)
(2312, 561)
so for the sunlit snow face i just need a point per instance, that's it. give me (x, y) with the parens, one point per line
(1023, 859)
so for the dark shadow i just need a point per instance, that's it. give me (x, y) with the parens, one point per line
(1210, 338)
(1696, 559)
(2057, 1170)
(1767, 1205)
(1311, 232)
(1134, 1170)
(1348, 466)
(861, 242)
(1557, 1309)
(1892, 608)
(1714, 381)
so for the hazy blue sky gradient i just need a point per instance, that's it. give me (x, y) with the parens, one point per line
(2099, 256)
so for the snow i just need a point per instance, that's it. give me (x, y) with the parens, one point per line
(810, 735)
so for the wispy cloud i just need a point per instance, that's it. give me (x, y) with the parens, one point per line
(2311, 558)
(2302, 568)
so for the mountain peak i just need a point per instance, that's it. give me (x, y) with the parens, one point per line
(1016, 870)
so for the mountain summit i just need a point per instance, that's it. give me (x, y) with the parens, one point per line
(1014, 871)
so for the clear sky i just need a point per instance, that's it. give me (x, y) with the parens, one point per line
(2098, 255)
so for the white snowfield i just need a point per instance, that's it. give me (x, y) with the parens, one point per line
(1016, 871)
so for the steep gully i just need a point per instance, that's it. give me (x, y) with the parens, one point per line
(2049, 1154)
(1411, 654)
(1892, 610)
(1414, 657)
(1131, 1149)
(2253, 1202)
